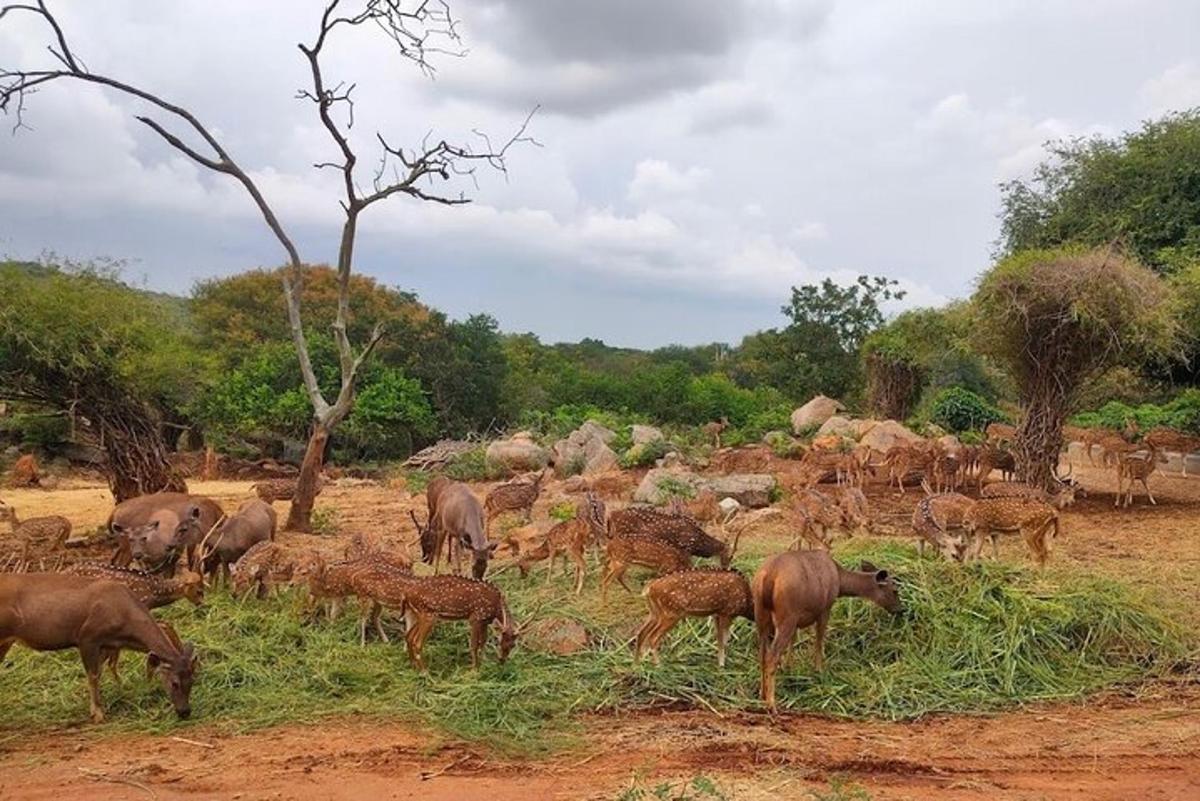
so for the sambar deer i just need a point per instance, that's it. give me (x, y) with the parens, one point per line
(53, 612)
(796, 589)
(705, 592)
(457, 515)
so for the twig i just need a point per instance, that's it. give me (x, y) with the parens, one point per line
(426, 775)
(104, 777)
(186, 741)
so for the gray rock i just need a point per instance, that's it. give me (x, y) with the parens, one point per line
(517, 454)
(814, 413)
(888, 434)
(591, 429)
(753, 490)
(598, 457)
(643, 435)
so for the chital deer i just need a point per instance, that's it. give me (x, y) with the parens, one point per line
(268, 565)
(854, 507)
(703, 508)
(624, 550)
(680, 531)
(1135, 467)
(513, 496)
(796, 589)
(816, 514)
(903, 460)
(254, 522)
(571, 538)
(1033, 518)
(364, 546)
(999, 434)
(378, 586)
(1113, 446)
(53, 612)
(152, 590)
(993, 458)
(714, 430)
(1061, 498)
(935, 516)
(1168, 439)
(38, 535)
(720, 594)
(430, 599)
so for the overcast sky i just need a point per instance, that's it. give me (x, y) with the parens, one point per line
(698, 157)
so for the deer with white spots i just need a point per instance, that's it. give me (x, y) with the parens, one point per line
(1033, 518)
(570, 538)
(1135, 467)
(430, 599)
(678, 530)
(721, 594)
(935, 517)
(281, 489)
(514, 496)
(39, 536)
(643, 550)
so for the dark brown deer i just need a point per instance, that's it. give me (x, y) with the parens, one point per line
(182, 521)
(254, 522)
(455, 514)
(53, 612)
(796, 589)
(678, 530)
(644, 551)
(513, 496)
(39, 536)
(430, 599)
(720, 594)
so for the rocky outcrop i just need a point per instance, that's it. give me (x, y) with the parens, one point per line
(644, 435)
(518, 454)
(585, 450)
(753, 490)
(888, 434)
(814, 413)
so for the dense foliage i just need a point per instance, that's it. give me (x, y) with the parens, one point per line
(1182, 413)
(957, 409)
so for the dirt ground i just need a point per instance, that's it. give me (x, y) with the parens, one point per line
(1113, 747)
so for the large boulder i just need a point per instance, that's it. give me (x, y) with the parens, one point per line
(593, 430)
(837, 426)
(518, 454)
(644, 435)
(888, 434)
(814, 413)
(585, 450)
(598, 457)
(753, 490)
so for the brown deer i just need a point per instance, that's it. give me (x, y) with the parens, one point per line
(170, 523)
(817, 514)
(154, 591)
(999, 434)
(903, 460)
(854, 507)
(282, 489)
(571, 538)
(1135, 467)
(362, 546)
(455, 514)
(720, 594)
(994, 458)
(1168, 439)
(254, 522)
(935, 516)
(714, 430)
(1031, 517)
(677, 530)
(38, 535)
(1061, 498)
(268, 565)
(796, 589)
(53, 612)
(624, 550)
(513, 496)
(430, 599)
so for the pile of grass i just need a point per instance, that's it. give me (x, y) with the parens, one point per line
(969, 640)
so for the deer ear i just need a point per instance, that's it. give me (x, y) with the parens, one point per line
(117, 528)
(154, 525)
(867, 567)
(491, 548)
(882, 577)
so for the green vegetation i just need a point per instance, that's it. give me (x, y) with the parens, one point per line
(1182, 413)
(957, 409)
(698, 788)
(969, 640)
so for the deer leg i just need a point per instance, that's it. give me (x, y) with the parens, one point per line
(819, 642)
(779, 645)
(995, 546)
(643, 634)
(580, 569)
(4, 646)
(614, 569)
(111, 658)
(1146, 484)
(92, 662)
(722, 624)
(414, 638)
(478, 640)
(666, 622)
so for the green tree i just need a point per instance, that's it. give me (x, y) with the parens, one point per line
(1141, 188)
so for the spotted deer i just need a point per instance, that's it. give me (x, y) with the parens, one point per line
(854, 507)
(513, 496)
(571, 538)
(703, 508)
(39, 536)
(999, 434)
(1168, 439)
(53, 612)
(714, 430)
(152, 590)
(1132, 468)
(643, 550)
(680, 531)
(1062, 497)
(706, 592)
(817, 515)
(268, 565)
(430, 599)
(904, 460)
(1034, 519)
(993, 458)
(796, 589)
(935, 516)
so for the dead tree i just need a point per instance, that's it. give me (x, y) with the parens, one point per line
(418, 29)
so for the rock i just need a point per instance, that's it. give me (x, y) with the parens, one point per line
(591, 429)
(517, 455)
(643, 435)
(598, 457)
(837, 426)
(950, 443)
(556, 635)
(814, 413)
(670, 460)
(748, 489)
(729, 507)
(886, 435)
(776, 439)
(828, 442)
(575, 485)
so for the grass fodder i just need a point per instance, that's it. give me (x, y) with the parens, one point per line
(969, 640)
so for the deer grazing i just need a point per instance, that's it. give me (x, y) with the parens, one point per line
(713, 431)
(935, 516)
(720, 594)
(513, 496)
(1033, 518)
(430, 599)
(454, 513)
(167, 524)
(152, 590)
(53, 612)
(38, 536)
(796, 589)
(817, 515)
(1135, 467)
(254, 522)
(643, 550)
(677, 530)
(571, 538)
(1061, 498)
(268, 565)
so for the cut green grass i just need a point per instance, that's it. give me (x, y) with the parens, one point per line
(970, 640)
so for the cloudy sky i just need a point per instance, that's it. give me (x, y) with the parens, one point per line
(697, 158)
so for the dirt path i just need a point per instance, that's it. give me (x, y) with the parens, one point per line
(1117, 749)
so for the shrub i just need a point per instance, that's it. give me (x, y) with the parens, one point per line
(326, 521)
(472, 465)
(957, 409)
(645, 454)
(563, 511)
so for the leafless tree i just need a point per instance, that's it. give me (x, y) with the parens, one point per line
(416, 30)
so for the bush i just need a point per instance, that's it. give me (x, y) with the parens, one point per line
(957, 409)
(645, 454)
(472, 465)
(326, 521)
(34, 430)
(1182, 413)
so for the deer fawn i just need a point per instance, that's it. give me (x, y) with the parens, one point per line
(796, 589)
(638, 549)
(53, 612)
(1031, 517)
(1134, 467)
(721, 594)
(38, 535)
(571, 538)
(714, 429)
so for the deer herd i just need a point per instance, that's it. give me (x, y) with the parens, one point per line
(186, 544)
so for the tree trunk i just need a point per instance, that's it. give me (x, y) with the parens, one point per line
(300, 515)
(892, 387)
(137, 457)
(1039, 436)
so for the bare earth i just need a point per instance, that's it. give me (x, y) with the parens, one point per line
(1112, 747)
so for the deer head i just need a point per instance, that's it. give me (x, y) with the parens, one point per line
(176, 670)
